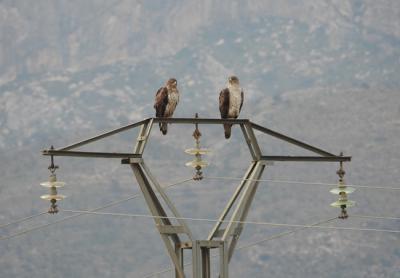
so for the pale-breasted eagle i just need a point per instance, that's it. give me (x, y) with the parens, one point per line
(230, 102)
(167, 99)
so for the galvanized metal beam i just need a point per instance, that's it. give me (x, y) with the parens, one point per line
(200, 121)
(143, 136)
(306, 158)
(196, 259)
(205, 257)
(290, 140)
(180, 256)
(156, 209)
(234, 227)
(243, 214)
(253, 141)
(242, 197)
(149, 122)
(103, 135)
(223, 260)
(131, 160)
(170, 205)
(216, 231)
(90, 154)
(201, 258)
(170, 229)
(248, 141)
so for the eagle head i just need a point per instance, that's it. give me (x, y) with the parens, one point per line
(233, 80)
(172, 83)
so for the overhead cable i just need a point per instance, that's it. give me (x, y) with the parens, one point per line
(303, 183)
(273, 224)
(22, 219)
(168, 269)
(80, 213)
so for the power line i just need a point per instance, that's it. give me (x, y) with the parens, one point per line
(304, 183)
(261, 180)
(285, 234)
(238, 222)
(279, 235)
(22, 220)
(80, 213)
(168, 269)
(375, 217)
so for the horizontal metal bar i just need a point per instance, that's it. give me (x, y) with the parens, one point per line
(184, 245)
(291, 140)
(131, 160)
(306, 158)
(210, 243)
(200, 121)
(156, 120)
(90, 154)
(170, 229)
(103, 135)
(219, 233)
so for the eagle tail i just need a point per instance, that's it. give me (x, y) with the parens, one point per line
(227, 129)
(163, 128)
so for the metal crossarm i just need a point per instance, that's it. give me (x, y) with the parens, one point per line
(291, 140)
(200, 121)
(90, 154)
(306, 158)
(103, 135)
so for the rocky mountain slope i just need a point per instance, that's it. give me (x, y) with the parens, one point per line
(325, 72)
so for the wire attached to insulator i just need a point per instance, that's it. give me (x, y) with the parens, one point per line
(198, 164)
(53, 184)
(342, 190)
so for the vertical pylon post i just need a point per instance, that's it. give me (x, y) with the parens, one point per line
(180, 256)
(201, 258)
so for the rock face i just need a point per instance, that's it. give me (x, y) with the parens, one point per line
(48, 36)
(325, 72)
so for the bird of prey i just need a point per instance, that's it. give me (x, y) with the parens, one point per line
(230, 102)
(167, 98)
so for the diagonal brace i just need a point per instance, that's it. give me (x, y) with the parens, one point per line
(156, 209)
(235, 227)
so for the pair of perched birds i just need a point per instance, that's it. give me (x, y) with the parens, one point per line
(230, 102)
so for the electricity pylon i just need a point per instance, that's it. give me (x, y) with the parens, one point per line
(174, 231)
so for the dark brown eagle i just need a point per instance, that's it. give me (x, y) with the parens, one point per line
(167, 99)
(230, 102)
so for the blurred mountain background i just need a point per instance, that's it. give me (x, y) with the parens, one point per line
(323, 71)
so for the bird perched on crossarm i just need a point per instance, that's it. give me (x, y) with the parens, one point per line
(166, 100)
(230, 103)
